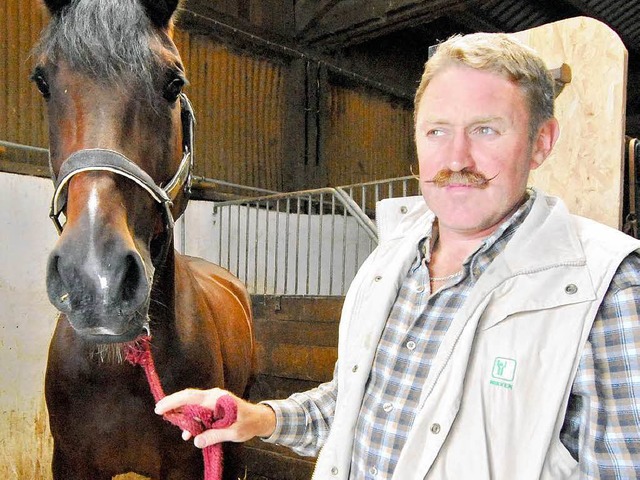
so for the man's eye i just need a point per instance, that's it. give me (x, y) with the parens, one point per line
(484, 130)
(435, 132)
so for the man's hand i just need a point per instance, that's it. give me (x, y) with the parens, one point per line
(254, 420)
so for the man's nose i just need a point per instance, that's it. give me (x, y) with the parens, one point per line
(459, 155)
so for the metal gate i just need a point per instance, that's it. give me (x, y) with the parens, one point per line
(302, 243)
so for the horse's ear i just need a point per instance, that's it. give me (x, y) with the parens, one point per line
(56, 6)
(160, 11)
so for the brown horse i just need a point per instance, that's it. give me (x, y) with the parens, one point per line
(121, 141)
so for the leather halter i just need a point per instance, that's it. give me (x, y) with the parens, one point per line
(97, 159)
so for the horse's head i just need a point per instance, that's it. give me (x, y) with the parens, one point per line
(120, 147)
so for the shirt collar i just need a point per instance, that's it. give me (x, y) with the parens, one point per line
(493, 244)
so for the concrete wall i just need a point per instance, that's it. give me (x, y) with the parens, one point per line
(26, 324)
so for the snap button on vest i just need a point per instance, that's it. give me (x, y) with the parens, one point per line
(435, 428)
(571, 289)
(334, 470)
(403, 209)
(377, 278)
(354, 369)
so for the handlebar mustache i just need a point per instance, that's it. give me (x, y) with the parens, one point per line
(464, 177)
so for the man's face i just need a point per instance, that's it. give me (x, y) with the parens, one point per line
(474, 121)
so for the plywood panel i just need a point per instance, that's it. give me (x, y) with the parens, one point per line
(586, 168)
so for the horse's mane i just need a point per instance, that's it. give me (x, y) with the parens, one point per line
(107, 40)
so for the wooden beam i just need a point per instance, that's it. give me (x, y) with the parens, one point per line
(309, 12)
(353, 22)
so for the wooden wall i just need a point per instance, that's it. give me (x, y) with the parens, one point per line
(297, 340)
(239, 104)
(367, 137)
(22, 115)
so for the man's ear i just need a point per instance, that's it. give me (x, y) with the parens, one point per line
(544, 142)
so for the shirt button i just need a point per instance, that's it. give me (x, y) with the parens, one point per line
(420, 289)
(411, 345)
(334, 471)
(435, 428)
(373, 471)
(354, 369)
(387, 407)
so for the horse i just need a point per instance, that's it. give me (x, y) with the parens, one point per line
(121, 154)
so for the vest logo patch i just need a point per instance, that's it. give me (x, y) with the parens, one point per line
(503, 372)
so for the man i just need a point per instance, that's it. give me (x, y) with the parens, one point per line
(491, 335)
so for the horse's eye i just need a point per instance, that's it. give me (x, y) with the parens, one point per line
(40, 80)
(173, 89)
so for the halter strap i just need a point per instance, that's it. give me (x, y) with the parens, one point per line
(98, 159)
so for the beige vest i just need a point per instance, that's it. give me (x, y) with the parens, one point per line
(495, 398)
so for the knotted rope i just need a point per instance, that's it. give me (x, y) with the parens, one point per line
(192, 418)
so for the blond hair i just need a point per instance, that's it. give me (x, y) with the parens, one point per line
(501, 54)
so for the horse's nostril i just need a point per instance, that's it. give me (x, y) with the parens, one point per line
(131, 282)
(57, 289)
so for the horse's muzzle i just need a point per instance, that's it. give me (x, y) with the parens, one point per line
(104, 295)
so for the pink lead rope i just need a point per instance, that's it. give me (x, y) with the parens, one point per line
(192, 418)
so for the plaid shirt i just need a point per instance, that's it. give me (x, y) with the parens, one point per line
(602, 423)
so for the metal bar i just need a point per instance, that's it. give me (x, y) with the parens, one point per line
(286, 245)
(320, 228)
(218, 211)
(345, 219)
(297, 252)
(357, 253)
(20, 146)
(266, 247)
(308, 279)
(357, 213)
(204, 182)
(255, 248)
(277, 248)
(238, 244)
(246, 245)
(333, 234)
(229, 238)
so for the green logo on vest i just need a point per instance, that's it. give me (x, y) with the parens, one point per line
(503, 372)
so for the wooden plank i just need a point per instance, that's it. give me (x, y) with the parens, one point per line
(266, 387)
(295, 361)
(293, 308)
(297, 337)
(311, 333)
(265, 461)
